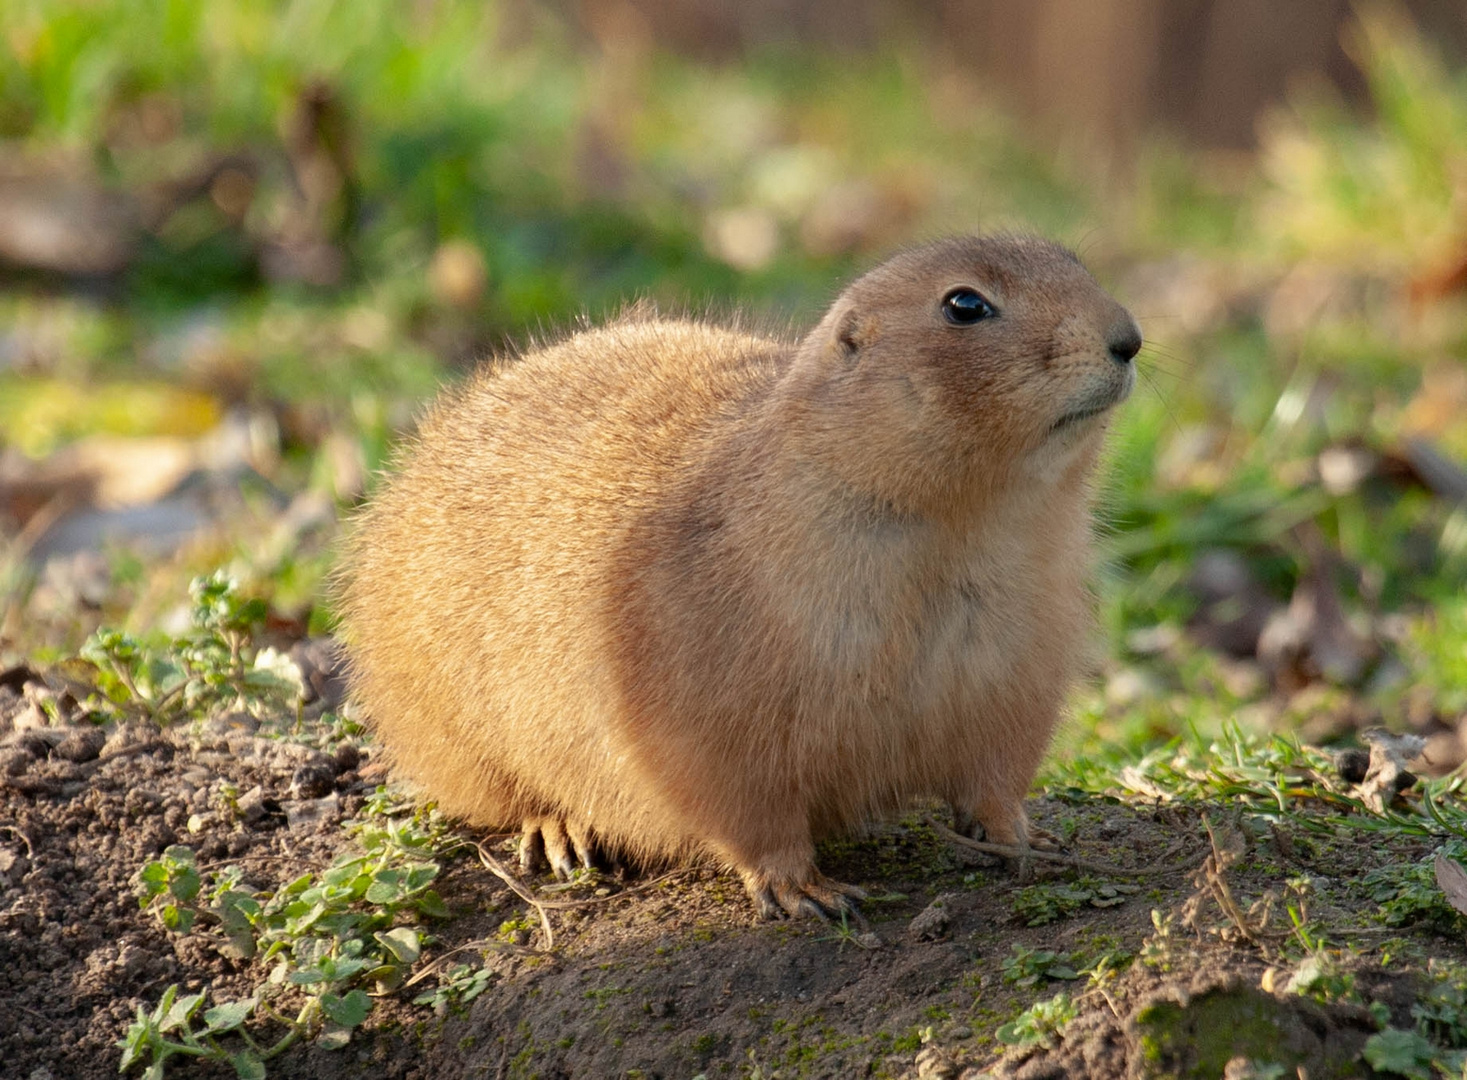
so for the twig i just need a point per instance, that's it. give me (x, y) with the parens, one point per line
(498, 869)
(1212, 877)
(628, 891)
(437, 962)
(1011, 851)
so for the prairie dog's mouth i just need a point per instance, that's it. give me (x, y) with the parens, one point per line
(1078, 416)
(1099, 401)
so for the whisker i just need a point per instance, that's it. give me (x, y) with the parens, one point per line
(1171, 413)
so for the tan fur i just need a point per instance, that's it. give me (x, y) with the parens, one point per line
(684, 589)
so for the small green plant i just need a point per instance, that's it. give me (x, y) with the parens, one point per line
(1441, 1012)
(458, 985)
(1319, 976)
(1026, 967)
(1047, 902)
(212, 667)
(517, 931)
(1408, 893)
(321, 939)
(1040, 1024)
(1159, 950)
(172, 883)
(1401, 1053)
(844, 933)
(1109, 963)
(168, 1031)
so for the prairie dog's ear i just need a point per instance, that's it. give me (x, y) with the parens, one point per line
(854, 332)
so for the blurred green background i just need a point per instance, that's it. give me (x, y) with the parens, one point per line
(242, 242)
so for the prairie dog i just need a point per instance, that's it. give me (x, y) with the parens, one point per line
(666, 587)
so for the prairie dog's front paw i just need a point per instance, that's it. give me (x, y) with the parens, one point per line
(812, 895)
(1044, 840)
(558, 844)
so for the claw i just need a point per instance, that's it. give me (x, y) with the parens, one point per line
(1044, 840)
(588, 852)
(551, 843)
(817, 898)
(810, 909)
(558, 849)
(532, 848)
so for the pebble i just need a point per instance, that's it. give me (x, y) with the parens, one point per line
(307, 813)
(14, 761)
(347, 758)
(233, 723)
(30, 718)
(81, 744)
(313, 780)
(251, 805)
(934, 1063)
(127, 735)
(933, 921)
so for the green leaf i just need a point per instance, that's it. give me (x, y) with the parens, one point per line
(431, 904)
(420, 875)
(349, 1010)
(386, 887)
(179, 920)
(403, 942)
(247, 1065)
(348, 966)
(154, 878)
(299, 924)
(476, 985)
(234, 916)
(1010, 1035)
(300, 884)
(1404, 1053)
(343, 874)
(185, 884)
(165, 1004)
(228, 1016)
(182, 1010)
(137, 1041)
(242, 902)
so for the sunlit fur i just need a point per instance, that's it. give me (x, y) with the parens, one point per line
(705, 591)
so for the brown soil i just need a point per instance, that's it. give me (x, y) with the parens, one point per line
(663, 977)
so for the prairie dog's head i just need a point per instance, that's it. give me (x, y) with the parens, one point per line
(966, 359)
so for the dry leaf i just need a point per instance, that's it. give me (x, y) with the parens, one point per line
(1453, 881)
(1388, 776)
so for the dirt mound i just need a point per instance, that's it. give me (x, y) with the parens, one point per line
(666, 976)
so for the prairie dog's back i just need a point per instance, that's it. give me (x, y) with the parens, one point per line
(477, 574)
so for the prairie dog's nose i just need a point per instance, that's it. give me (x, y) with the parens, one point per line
(1124, 339)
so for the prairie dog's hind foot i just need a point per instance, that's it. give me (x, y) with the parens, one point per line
(1020, 835)
(812, 896)
(563, 848)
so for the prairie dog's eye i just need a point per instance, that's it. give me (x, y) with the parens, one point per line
(963, 307)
